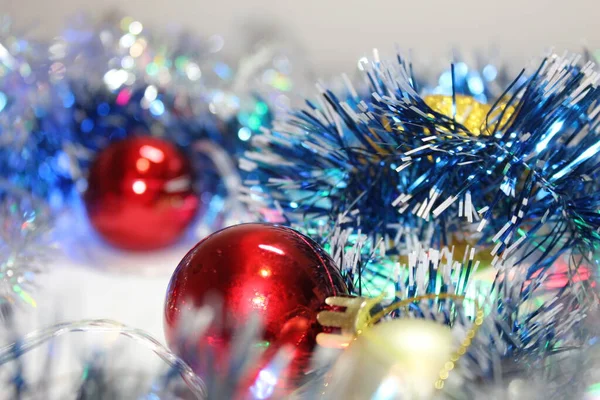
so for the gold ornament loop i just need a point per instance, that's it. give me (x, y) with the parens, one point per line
(462, 349)
(357, 315)
(372, 320)
(357, 309)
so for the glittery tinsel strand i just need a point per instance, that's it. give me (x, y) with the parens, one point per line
(34, 339)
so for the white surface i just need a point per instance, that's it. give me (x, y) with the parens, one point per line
(79, 291)
(89, 279)
(125, 288)
(336, 32)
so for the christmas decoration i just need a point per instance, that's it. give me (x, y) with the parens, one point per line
(398, 168)
(414, 185)
(481, 75)
(93, 375)
(126, 78)
(129, 80)
(25, 245)
(268, 270)
(379, 179)
(140, 194)
(105, 80)
(63, 101)
(104, 374)
(34, 118)
(407, 354)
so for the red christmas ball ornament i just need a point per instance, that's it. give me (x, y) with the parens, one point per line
(140, 194)
(270, 270)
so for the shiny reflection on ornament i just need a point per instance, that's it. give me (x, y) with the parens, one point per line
(244, 134)
(157, 108)
(142, 164)
(475, 84)
(272, 249)
(139, 187)
(123, 97)
(127, 62)
(193, 71)
(136, 49)
(461, 69)
(264, 385)
(135, 28)
(362, 62)
(115, 78)
(388, 389)
(151, 93)
(259, 302)
(265, 272)
(152, 153)
(490, 72)
(592, 392)
(178, 185)
(127, 40)
(581, 158)
(3, 100)
(222, 70)
(445, 81)
(554, 129)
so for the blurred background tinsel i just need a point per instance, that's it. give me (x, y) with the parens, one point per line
(414, 228)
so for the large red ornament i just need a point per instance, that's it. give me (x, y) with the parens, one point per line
(140, 194)
(258, 268)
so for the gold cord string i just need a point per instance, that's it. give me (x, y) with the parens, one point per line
(464, 346)
(457, 354)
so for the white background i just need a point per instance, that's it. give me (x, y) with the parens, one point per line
(336, 32)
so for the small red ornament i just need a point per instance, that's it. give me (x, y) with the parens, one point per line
(140, 194)
(271, 270)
